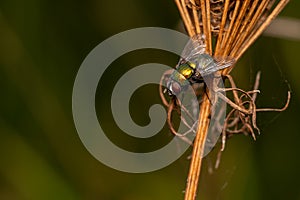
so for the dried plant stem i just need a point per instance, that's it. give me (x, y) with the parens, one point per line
(204, 116)
(234, 25)
(185, 18)
(208, 24)
(195, 16)
(266, 23)
(222, 25)
(199, 142)
(244, 28)
(224, 44)
(204, 21)
(244, 39)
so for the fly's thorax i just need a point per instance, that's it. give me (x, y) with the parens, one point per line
(186, 70)
(182, 74)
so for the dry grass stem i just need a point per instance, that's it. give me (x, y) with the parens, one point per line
(198, 150)
(229, 28)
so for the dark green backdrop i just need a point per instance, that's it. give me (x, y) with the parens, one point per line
(42, 44)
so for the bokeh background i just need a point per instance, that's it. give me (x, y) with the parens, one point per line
(42, 44)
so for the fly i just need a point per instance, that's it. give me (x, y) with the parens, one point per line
(193, 66)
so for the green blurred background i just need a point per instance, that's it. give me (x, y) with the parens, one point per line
(42, 44)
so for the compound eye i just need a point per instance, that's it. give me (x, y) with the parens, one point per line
(176, 88)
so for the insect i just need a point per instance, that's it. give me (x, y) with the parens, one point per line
(193, 66)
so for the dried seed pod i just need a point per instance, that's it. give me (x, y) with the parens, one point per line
(229, 27)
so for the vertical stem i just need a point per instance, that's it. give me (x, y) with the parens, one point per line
(188, 17)
(241, 33)
(231, 25)
(196, 17)
(184, 18)
(198, 150)
(208, 24)
(246, 33)
(236, 26)
(204, 22)
(245, 25)
(266, 23)
(222, 26)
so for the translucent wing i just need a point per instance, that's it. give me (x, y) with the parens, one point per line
(220, 63)
(194, 46)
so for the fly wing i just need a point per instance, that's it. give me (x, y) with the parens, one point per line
(220, 63)
(194, 46)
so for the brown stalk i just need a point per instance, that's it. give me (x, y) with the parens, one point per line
(208, 24)
(198, 150)
(244, 29)
(195, 16)
(272, 16)
(247, 32)
(205, 25)
(185, 18)
(186, 13)
(222, 25)
(241, 23)
(228, 33)
(203, 123)
(242, 12)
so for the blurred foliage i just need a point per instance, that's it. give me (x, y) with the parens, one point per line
(42, 44)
